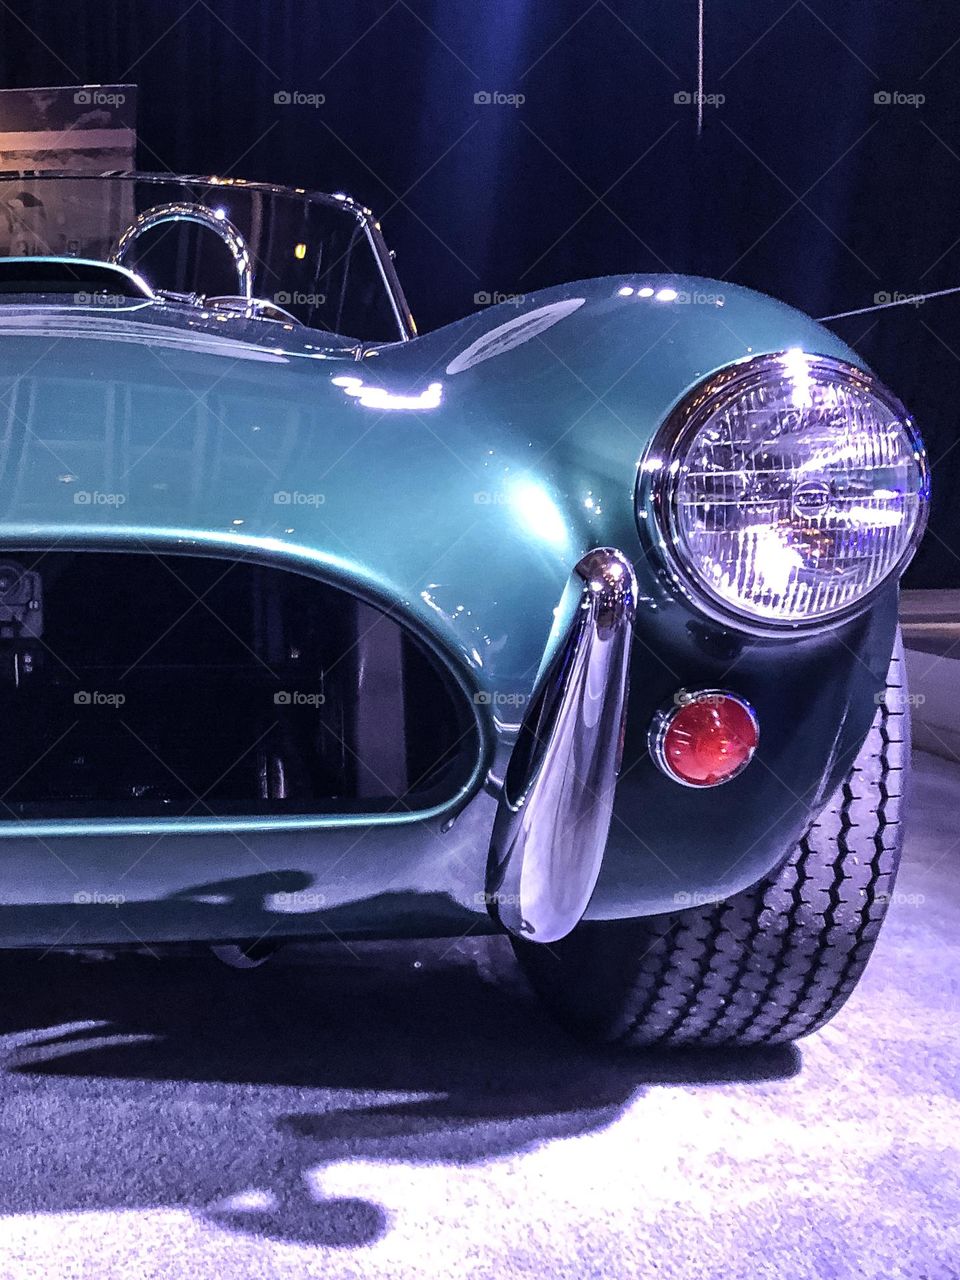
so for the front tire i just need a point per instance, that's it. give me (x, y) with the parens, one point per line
(768, 965)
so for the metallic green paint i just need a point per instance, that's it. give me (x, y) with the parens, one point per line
(455, 479)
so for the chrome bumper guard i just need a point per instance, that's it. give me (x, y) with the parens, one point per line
(556, 803)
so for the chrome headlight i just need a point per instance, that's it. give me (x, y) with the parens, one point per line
(787, 488)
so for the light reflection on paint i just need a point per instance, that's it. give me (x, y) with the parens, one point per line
(537, 512)
(373, 397)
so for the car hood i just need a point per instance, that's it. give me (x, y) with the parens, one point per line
(456, 477)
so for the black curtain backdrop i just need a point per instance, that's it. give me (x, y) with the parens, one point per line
(802, 183)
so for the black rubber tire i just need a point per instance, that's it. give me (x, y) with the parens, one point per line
(768, 965)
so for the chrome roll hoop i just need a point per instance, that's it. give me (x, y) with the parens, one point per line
(184, 211)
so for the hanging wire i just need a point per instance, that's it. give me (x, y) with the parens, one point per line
(909, 300)
(700, 4)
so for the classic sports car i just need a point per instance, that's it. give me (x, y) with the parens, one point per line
(575, 619)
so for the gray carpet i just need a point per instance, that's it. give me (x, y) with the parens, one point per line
(390, 1112)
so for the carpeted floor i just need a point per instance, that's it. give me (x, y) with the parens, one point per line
(392, 1113)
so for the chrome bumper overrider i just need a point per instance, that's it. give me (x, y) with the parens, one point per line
(555, 807)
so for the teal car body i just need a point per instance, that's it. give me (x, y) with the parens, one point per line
(453, 480)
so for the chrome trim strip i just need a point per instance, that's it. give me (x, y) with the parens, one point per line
(656, 487)
(555, 807)
(249, 308)
(388, 273)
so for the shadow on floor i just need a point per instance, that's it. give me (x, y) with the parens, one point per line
(183, 1083)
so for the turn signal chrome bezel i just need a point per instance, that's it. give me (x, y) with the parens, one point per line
(686, 709)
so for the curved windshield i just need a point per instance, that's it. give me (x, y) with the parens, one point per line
(317, 258)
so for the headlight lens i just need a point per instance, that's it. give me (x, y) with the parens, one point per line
(788, 487)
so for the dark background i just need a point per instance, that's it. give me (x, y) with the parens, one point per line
(801, 185)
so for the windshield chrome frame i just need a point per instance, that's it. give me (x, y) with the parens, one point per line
(371, 227)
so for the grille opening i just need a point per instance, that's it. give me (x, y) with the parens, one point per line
(141, 685)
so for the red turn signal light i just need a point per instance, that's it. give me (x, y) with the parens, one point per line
(705, 739)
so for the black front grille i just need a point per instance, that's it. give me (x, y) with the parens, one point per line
(142, 685)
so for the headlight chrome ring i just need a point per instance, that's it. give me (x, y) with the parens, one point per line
(785, 491)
